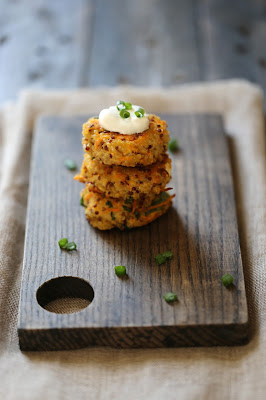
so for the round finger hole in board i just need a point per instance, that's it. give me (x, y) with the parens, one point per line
(65, 295)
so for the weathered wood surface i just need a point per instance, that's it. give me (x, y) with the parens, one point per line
(67, 44)
(201, 231)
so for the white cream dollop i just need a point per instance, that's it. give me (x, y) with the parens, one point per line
(110, 120)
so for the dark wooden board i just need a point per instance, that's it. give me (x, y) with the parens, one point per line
(201, 231)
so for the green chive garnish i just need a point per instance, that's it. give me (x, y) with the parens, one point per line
(170, 297)
(141, 110)
(62, 243)
(124, 114)
(128, 106)
(82, 201)
(97, 117)
(112, 216)
(70, 164)
(126, 208)
(161, 258)
(173, 145)
(109, 204)
(168, 254)
(138, 114)
(227, 280)
(71, 246)
(120, 105)
(120, 270)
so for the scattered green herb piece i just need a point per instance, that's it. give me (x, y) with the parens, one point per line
(141, 110)
(120, 105)
(71, 246)
(82, 201)
(161, 258)
(62, 243)
(109, 204)
(168, 254)
(120, 270)
(124, 114)
(97, 117)
(129, 200)
(112, 216)
(126, 208)
(227, 280)
(70, 164)
(138, 114)
(170, 297)
(173, 145)
(128, 106)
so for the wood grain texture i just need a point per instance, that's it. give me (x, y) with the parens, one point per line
(67, 44)
(200, 230)
(43, 44)
(148, 43)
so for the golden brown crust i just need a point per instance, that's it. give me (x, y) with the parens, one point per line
(110, 148)
(107, 213)
(118, 181)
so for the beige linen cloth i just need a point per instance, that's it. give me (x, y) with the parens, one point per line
(105, 373)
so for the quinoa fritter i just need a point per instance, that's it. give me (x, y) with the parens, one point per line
(117, 181)
(110, 148)
(107, 213)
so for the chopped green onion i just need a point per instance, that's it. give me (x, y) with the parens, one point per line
(128, 106)
(71, 246)
(126, 208)
(138, 114)
(120, 105)
(120, 270)
(141, 110)
(70, 164)
(168, 254)
(124, 114)
(112, 216)
(161, 258)
(62, 243)
(173, 145)
(82, 202)
(97, 117)
(129, 200)
(227, 280)
(170, 297)
(109, 204)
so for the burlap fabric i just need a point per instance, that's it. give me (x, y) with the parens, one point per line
(104, 373)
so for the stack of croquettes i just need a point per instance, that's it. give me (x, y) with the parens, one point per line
(125, 175)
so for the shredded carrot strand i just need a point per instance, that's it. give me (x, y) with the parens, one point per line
(79, 178)
(134, 205)
(166, 189)
(162, 204)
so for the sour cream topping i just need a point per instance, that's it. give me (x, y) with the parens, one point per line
(111, 120)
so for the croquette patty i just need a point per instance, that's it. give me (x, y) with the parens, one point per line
(110, 148)
(117, 181)
(107, 213)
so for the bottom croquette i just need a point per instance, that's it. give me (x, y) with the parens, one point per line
(106, 213)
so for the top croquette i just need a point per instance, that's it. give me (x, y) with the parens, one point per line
(139, 149)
